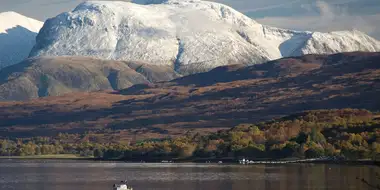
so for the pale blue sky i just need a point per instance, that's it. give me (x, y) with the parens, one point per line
(316, 15)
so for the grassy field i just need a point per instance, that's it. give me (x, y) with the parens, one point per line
(50, 156)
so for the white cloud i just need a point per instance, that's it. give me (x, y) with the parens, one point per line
(331, 18)
(326, 10)
(271, 6)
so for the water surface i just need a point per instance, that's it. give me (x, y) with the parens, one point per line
(82, 175)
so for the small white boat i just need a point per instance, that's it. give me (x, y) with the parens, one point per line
(122, 186)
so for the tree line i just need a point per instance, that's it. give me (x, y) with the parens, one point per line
(348, 133)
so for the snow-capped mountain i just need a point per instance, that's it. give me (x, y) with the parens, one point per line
(189, 35)
(17, 37)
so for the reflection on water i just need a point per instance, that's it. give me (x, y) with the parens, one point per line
(75, 175)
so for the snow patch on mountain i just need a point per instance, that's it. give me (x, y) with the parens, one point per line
(340, 41)
(17, 37)
(189, 35)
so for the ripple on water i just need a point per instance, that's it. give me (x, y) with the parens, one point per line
(72, 175)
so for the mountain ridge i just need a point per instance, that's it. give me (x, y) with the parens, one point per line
(129, 31)
(17, 37)
(52, 76)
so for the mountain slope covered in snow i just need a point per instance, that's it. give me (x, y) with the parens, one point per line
(189, 35)
(17, 37)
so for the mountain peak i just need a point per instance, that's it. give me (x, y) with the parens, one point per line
(12, 19)
(189, 35)
(148, 2)
(17, 37)
(10, 13)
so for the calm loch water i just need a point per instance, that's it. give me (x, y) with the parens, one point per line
(77, 175)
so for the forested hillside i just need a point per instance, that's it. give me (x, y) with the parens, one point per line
(349, 133)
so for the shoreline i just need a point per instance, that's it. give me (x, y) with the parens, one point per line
(47, 157)
(198, 161)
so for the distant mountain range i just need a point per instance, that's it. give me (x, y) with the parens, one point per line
(17, 37)
(221, 98)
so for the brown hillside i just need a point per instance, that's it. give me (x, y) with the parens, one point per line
(54, 76)
(221, 98)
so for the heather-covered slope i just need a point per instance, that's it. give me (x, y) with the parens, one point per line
(221, 98)
(52, 76)
(190, 35)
